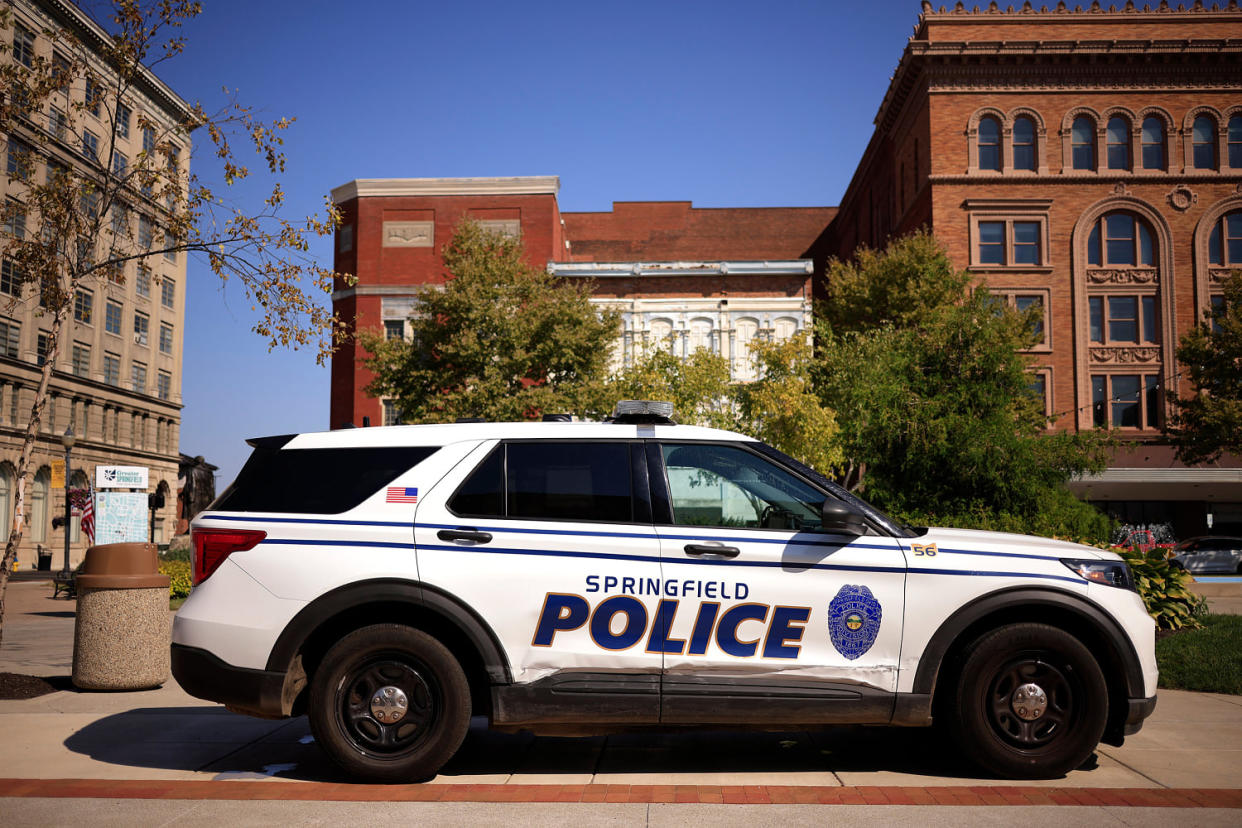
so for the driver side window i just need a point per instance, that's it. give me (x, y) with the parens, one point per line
(713, 485)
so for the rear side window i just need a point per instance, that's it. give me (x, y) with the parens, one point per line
(319, 481)
(550, 481)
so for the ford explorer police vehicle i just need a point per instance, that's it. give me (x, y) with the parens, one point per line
(572, 577)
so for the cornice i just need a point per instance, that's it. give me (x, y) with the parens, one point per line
(607, 270)
(1129, 178)
(1162, 12)
(396, 187)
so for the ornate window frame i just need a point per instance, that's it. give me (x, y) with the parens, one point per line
(1133, 133)
(1041, 141)
(1067, 144)
(1127, 360)
(1009, 210)
(1209, 277)
(1188, 147)
(1010, 295)
(1227, 116)
(972, 140)
(1045, 371)
(1171, 132)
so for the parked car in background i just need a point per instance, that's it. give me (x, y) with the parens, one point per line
(1209, 554)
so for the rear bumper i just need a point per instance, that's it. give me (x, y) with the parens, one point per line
(205, 676)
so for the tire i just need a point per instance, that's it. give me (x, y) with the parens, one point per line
(1004, 730)
(412, 666)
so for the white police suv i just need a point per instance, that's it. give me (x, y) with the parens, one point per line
(570, 577)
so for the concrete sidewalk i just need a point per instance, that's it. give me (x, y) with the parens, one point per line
(1194, 741)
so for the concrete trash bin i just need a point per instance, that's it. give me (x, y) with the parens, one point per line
(123, 631)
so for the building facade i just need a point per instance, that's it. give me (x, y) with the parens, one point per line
(117, 377)
(1084, 161)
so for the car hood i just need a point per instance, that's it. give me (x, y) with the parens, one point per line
(974, 539)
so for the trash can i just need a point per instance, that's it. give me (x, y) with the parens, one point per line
(45, 559)
(123, 630)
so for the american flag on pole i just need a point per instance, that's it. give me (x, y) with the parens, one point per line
(88, 517)
(401, 494)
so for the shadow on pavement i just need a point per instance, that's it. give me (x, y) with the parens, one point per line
(213, 740)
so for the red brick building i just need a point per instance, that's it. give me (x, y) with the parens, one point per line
(1088, 161)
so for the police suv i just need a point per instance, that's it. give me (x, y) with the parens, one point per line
(573, 578)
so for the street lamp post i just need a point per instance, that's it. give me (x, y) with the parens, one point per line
(67, 440)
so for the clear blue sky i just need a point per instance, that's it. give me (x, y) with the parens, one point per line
(720, 103)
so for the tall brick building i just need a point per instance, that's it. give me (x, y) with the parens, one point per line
(1086, 161)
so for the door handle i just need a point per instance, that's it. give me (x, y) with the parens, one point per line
(712, 549)
(464, 535)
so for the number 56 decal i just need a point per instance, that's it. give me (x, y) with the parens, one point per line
(924, 549)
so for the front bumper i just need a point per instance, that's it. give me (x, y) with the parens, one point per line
(1140, 709)
(203, 675)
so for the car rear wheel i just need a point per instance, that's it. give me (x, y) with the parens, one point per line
(1031, 702)
(389, 703)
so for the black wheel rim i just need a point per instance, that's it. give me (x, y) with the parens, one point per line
(388, 739)
(1060, 688)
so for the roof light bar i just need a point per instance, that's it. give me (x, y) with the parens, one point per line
(648, 411)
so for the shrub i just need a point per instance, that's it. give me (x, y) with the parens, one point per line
(1164, 588)
(179, 573)
(178, 550)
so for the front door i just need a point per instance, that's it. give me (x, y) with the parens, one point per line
(774, 619)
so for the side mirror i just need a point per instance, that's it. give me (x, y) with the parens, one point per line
(837, 517)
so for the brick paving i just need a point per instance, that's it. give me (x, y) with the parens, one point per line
(694, 794)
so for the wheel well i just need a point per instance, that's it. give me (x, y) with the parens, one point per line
(331, 630)
(1095, 639)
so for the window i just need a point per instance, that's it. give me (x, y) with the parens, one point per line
(148, 139)
(1234, 142)
(1125, 400)
(1082, 143)
(727, 486)
(23, 45)
(1025, 302)
(61, 71)
(170, 255)
(112, 370)
(123, 114)
(392, 415)
(10, 338)
(39, 494)
(1225, 240)
(119, 163)
(394, 329)
(81, 359)
(145, 231)
(58, 124)
(166, 339)
(10, 277)
(345, 238)
(83, 304)
(168, 292)
(1126, 240)
(112, 317)
(1117, 320)
(989, 143)
(1009, 243)
(142, 328)
(1153, 144)
(1216, 304)
(18, 158)
(1117, 138)
(483, 492)
(90, 145)
(120, 220)
(163, 385)
(1203, 143)
(94, 96)
(1024, 144)
(138, 377)
(1039, 389)
(41, 346)
(15, 221)
(142, 283)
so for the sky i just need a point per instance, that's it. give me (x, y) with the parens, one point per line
(725, 104)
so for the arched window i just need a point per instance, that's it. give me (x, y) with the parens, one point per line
(1235, 142)
(1225, 241)
(1082, 143)
(1203, 143)
(1024, 143)
(1117, 137)
(1153, 144)
(700, 334)
(39, 494)
(745, 331)
(6, 498)
(662, 334)
(1120, 239)
(989, 143)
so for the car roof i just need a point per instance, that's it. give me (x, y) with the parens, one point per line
(443, 434)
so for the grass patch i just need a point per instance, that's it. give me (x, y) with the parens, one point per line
(1208, 660)
(174, 604)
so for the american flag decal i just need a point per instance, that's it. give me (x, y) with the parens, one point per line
(401, 494)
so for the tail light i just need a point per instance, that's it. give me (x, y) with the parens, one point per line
(212, 546)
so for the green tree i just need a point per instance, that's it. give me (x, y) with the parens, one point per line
(1208, 422)
(697, 386)
(93, 212)
(500, 340)
(937, 420)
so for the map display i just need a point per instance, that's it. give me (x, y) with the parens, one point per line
(121, 517)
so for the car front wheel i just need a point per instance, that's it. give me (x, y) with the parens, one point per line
(389, 703)
(1032, 702)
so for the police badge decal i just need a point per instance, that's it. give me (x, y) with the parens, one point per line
(853, 620)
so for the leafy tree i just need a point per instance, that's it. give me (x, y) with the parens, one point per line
(697, 386)
(94, 212)
(500, 340)
(1208, 423)
(936, 417)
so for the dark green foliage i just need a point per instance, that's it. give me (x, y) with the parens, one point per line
(1207, 660)
(1164, 588)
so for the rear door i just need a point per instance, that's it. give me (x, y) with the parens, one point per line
(550, 543)
(775, 620)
